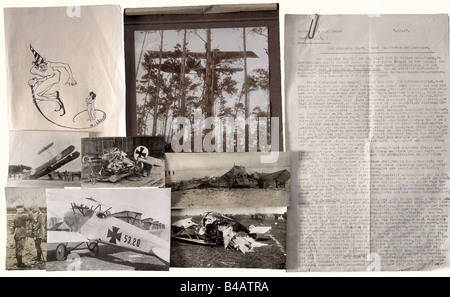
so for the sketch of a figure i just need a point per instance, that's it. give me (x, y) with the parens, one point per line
(47, 74)
(90, 106)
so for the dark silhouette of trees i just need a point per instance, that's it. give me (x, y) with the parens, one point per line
(175, 81)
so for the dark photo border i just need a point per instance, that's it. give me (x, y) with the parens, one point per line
(201, 17)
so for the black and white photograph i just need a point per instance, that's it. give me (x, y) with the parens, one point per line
(122, 162)
(200, 180)
(229, 238)
(26, 233)
(222, 67)
(44, 159)
(108, 229)
(222, 72)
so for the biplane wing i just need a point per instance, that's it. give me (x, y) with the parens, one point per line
(152, 161)
(202, 55)
(185, 223)
(65, 236)
(141, 154)
(183, 230)
(64, 161)
(188, 239)
(66, 156)
(161, 253)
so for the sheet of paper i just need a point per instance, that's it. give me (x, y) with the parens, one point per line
(65, 69)
(367, 118)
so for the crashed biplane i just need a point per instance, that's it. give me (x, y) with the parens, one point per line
(51, 164)
(216, 229)
(92, 226)
(115, 164)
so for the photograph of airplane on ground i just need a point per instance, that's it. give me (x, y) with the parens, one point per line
(202, 180)
(47, 159)
(108, 229)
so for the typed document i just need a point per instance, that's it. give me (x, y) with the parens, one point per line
(367, 109)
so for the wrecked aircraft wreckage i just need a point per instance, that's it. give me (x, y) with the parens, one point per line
(237, 177)
(115, 165)
(216, 229)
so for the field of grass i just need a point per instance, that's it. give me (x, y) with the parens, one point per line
(109, 258)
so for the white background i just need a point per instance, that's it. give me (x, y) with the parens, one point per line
(371, 7)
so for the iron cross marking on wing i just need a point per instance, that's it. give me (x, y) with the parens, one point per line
(115, 235)
(141, 152)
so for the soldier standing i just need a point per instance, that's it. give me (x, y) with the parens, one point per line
(39, 225)
(20, 232)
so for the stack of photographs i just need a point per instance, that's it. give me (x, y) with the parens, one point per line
(180, 169)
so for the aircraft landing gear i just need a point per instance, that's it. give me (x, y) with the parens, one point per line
(93, 249)
(61, 252)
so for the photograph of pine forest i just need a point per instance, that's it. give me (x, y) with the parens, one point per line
(219, 72)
